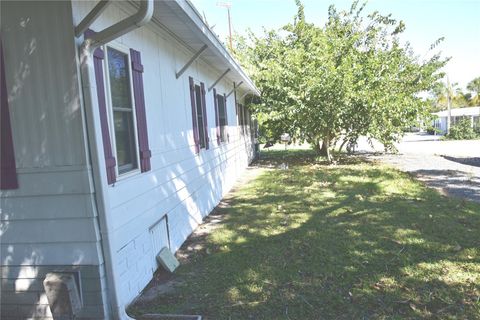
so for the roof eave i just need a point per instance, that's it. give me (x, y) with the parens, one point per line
(208, 37)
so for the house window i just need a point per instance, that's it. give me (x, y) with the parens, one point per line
(476, 122)
(240, 115)
(222, 117)
(244, 118)
(200, 116)
(122, 109)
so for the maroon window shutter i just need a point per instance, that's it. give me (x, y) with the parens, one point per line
(217, 120)
(226, 113)
(8, 170)
(204, 111)
(240, 114)
(194, 116)
(110, 161)
(242, 118)
(226, 117)
(138, 93)
(235, 100)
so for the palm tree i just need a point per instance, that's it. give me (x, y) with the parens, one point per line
(474, 86)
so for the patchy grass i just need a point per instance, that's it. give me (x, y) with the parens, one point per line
(351, 241)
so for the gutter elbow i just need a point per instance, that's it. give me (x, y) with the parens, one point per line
(145, 12)
(139, 19)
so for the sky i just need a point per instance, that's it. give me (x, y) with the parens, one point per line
(426, 21)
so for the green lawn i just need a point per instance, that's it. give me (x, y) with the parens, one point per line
(351, 241)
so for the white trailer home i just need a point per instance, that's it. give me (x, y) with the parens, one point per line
(122, 126)
(457, 114)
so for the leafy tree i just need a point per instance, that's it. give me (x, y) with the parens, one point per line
(474, 86)
(462, 130)
(459, 98)
(351, 77)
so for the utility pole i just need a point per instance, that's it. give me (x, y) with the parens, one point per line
(449, 105)
(228, 5)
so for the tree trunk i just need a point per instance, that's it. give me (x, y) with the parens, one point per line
(316, 146)
(325, 150)
(342, 145)
(328, 155)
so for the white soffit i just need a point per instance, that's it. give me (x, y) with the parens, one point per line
(456, 112)
(184, 22)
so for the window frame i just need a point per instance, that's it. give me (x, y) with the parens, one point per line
(476, 121)
(110, 112)
(240, 115)
(198, 84)
(243, 120)
(223, 129)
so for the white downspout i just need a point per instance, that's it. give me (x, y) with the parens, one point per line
(89, 89)
(139, 19)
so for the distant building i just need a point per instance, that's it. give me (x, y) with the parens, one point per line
(457, 114)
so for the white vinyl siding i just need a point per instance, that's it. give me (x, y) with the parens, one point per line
(181, 184)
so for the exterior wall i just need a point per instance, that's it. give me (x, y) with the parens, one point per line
(441, 123)
(183, 186)
(457, 114)
(23, 296)
(49, 223)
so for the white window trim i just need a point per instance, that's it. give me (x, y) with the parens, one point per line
(111, 125)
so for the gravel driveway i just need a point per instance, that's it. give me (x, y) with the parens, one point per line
(453, 167)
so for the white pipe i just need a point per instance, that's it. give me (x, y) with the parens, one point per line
(91, 17)
(137, 20)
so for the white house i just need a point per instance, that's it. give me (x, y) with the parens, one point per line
(122, 126)
(457, 114)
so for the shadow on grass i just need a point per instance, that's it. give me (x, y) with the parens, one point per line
(275, 158)
(349, 241)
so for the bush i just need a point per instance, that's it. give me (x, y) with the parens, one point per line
(432, 130)
(462, 130)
